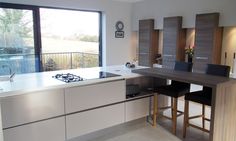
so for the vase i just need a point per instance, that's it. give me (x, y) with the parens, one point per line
(190, 59)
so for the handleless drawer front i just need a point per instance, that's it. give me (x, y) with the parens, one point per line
(136, 109)
(93, 120)
(48, 130)
(91, 96)
(17, 110)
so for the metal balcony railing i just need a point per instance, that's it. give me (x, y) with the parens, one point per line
(27, 63)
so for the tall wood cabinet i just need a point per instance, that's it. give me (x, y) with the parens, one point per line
(174, 38)
(208, 41)
(148, 43)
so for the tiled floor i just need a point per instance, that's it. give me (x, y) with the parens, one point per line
(192, 133)
(138, 130)
(194, 109)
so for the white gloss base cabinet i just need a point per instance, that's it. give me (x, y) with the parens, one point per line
(93, 120)
(136, 109)
(87, 108)
(92, 97)
(86, 97)
(48, 130)
(17, 110)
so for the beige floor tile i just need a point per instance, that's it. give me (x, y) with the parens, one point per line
(142, 132)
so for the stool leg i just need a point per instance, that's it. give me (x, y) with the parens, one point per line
(172, 106)
(203, 116)
(155, 109)
(186, 117)
(174, 118)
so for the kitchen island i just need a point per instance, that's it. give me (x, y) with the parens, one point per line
(38, 107)
(32, 82)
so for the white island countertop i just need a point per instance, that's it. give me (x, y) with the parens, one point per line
(31, 82)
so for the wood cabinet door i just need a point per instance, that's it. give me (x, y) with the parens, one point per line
(145, 37)
(209, 20)
(144, 41)
(48, 130)
(148, 43)
(144, 59)
(168, 61)
(173, 47)
(207, 41)
(204, 49)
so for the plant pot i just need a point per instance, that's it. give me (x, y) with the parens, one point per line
(190, 59)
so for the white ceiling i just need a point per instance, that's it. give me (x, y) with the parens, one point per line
(130, 1)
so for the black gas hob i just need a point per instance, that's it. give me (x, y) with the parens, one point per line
(69, 77)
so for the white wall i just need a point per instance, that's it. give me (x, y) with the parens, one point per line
(158, 9)
(116, 51)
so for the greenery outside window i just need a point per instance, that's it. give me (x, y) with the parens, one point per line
(36, 39)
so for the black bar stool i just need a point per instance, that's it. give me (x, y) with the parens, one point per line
(203, 97)
(174, 90)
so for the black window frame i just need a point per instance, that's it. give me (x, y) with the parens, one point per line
(37, 29)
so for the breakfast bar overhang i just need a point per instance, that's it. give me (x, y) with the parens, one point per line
(223, 109)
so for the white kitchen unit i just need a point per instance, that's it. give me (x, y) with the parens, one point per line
(21, 109)
(136, 109)
(52, 110)
(94, 95)
(91, 100)
(48, 130)
(93, 120)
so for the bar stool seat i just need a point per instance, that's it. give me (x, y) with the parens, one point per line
(203, 97)
(199, 97)
(174, 90)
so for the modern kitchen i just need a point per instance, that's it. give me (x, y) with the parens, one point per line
(162, 70)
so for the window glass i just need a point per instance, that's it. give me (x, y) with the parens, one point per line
(70, 39)
(34, 39)
(17, 41)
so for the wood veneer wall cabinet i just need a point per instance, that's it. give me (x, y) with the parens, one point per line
(174, 39)
(148, 43)
(208, 41)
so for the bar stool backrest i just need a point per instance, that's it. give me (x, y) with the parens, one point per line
(182, 66)
(218, 70)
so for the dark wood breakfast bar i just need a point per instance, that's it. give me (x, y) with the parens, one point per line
(223, 109)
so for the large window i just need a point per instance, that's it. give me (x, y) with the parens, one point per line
(71, 39)
(17, 46)
(41, 39)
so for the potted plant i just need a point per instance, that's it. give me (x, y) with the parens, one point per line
(189, 51)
